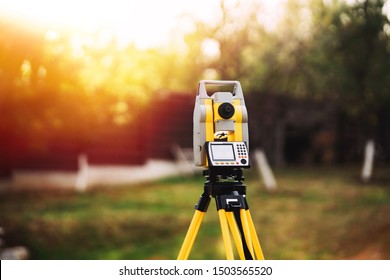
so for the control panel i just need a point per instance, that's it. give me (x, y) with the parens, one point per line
(229, 154)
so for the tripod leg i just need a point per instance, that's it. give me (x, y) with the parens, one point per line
(256, 242)
(225, 234)
(236, 234)
(191, 235)
(247, 232)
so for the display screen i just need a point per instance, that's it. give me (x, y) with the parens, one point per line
(222, 152)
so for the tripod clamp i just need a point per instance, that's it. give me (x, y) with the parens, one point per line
(226, 186)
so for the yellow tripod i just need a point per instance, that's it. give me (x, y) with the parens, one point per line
(226, 186)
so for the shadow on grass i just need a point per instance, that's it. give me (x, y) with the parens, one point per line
(106, 237)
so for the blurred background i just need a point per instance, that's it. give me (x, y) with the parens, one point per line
(96, 103)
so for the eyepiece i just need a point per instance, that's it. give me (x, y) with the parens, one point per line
(226, 110)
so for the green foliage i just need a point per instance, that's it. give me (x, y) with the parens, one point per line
(357, 47)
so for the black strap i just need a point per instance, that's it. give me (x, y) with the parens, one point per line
(247, 253)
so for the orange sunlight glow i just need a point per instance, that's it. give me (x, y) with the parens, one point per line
(146, 23)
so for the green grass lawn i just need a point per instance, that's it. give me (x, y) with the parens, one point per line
(316, 213)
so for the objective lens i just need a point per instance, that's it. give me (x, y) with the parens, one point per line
(226, 110)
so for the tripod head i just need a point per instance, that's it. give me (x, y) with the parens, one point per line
(220, 127)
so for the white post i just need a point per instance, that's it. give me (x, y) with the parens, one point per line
(82, 175)
(368, 163)
(265, 170)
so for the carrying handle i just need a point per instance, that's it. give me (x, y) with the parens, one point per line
(237, 90)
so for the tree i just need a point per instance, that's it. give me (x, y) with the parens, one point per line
(232, 37)
(357, 47)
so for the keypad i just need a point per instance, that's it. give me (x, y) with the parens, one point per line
(242, 152)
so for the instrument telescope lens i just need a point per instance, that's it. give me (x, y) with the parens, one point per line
(226, 110)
